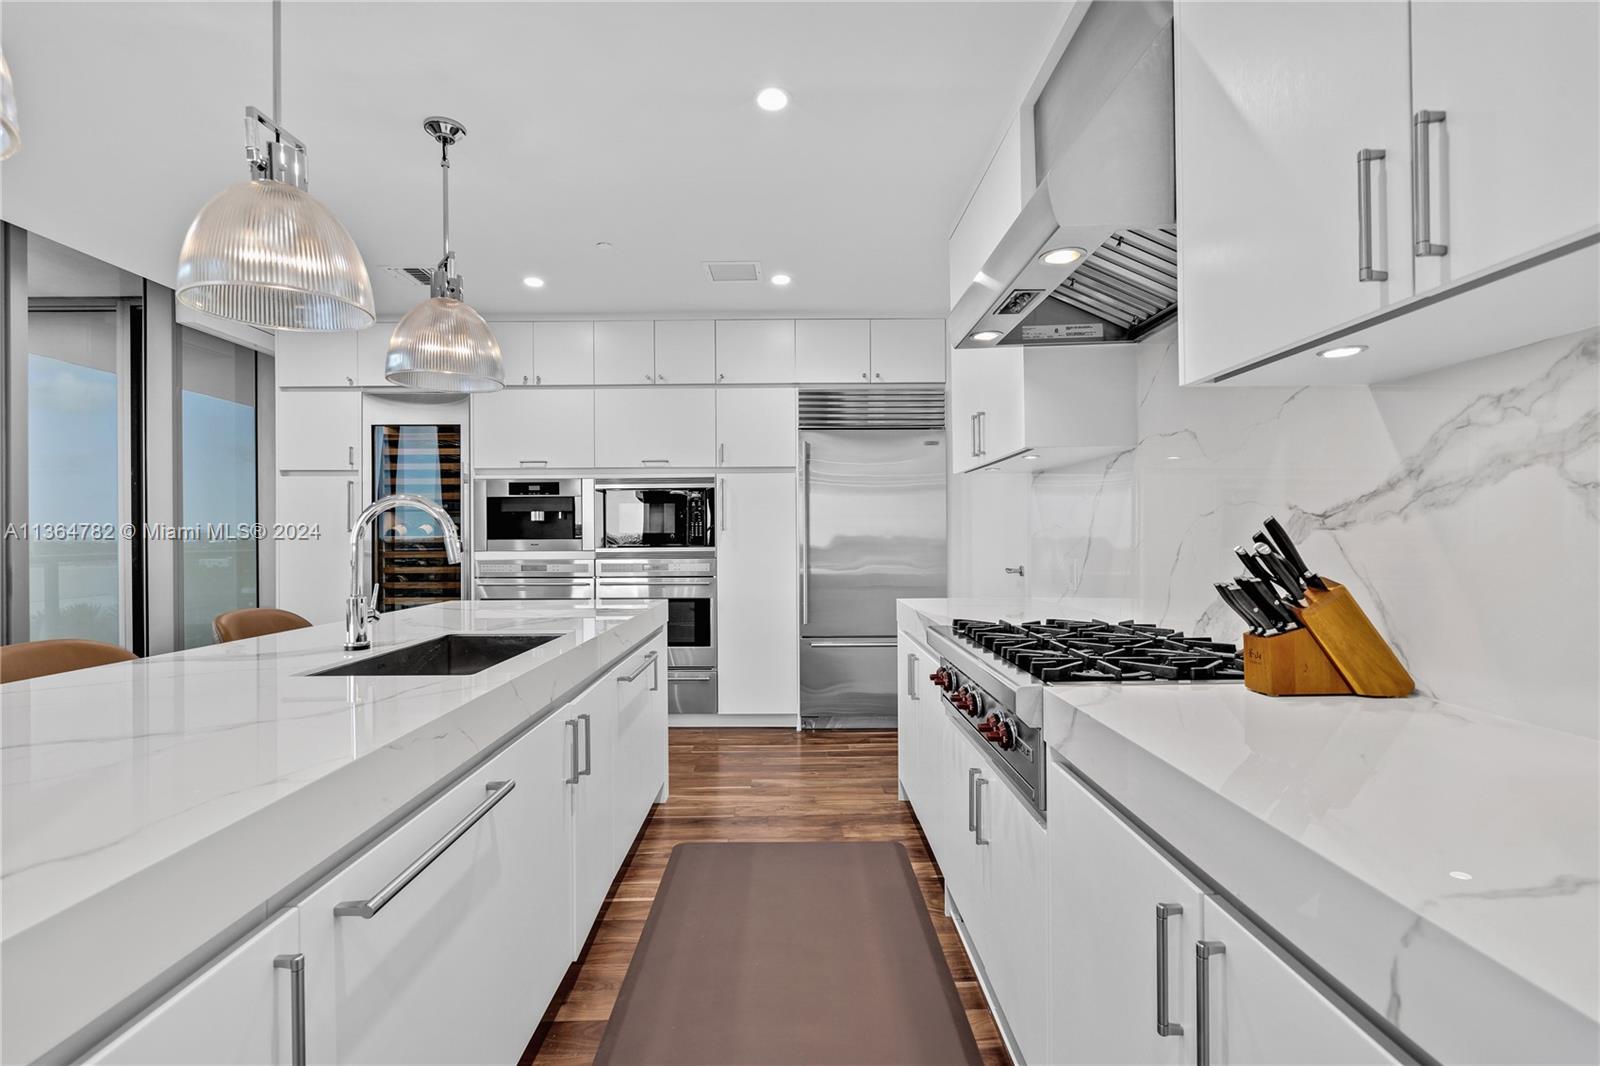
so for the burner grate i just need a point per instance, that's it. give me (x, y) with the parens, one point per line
(1062, 650)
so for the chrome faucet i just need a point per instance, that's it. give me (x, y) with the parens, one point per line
(361, 608)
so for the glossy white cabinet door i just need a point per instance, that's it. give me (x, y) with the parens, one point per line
(758, 606)
(755, 351)
(318, 430)
(315, 358)
(1106, 883)
(238, 1010)
(593, 790)
(988, 406)
(563, 353)
(757, 427)
(533, 429)
(459, 964)
(313, 572)
(624, 353)
(1516, 162)
(956, 845)
(655, 427)
(641, 757)
(1274, 101)
(686, 352)
(907, 350)
(516, 350)
(1265, 1011)
(828, 350)
(372, 352)
(918, 706)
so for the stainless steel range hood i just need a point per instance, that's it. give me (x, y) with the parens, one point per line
(1108, 193)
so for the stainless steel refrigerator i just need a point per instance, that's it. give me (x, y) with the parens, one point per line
(872, 531)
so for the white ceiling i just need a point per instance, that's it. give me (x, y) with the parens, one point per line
(629, 123)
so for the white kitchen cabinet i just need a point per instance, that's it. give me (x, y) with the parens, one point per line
(950, 828)
(314, 358)
(1287, 94)
(757, 427)
(919, 712)
(833, 350)
(755, 351)
(624, 353)
(372, 352)
(537, 429)
(563, 353)
(313, 571)
(592, 787)
(480, 936)
(319, 430)
(758, 607)
(686, 352)
(1264, 1010)
(1107, 882)
(907, 350)
(239, 1009)
(655, 427)
(1515, 163)
(1061, 405)
(641, 744)
(516, 350)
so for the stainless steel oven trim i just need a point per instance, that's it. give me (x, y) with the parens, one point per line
(583, 493)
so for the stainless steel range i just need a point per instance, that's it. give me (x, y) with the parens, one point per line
(992, 675)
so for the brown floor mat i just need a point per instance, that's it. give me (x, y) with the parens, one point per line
(788, 955)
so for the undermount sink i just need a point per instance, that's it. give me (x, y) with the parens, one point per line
(457, 653)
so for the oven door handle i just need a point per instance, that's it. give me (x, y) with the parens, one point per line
(852, 643)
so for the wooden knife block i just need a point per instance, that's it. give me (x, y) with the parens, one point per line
(1338, 651)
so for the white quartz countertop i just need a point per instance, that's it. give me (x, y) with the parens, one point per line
(1441, 863)
(151, 811)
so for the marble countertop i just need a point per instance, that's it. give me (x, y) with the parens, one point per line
(169, 804)
(1441, 863)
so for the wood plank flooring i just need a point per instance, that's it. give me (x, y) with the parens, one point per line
(751, 784)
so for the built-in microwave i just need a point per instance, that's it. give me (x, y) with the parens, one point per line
(545, 515)
(655, 516)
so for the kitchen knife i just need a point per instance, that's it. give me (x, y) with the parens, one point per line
(1291, 554)
(1264, 622)
(1266, 600)
(1255, 566)
(1282, 575)
(1230, 596)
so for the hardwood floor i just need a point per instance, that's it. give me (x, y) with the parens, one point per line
(751, 784)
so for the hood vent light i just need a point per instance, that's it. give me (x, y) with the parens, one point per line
(1016, 301)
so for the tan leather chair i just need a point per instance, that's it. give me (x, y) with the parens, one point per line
(254, 622)
(40, 658)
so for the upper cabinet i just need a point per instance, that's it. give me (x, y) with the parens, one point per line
(372, 352)
(994, 205)
(758, 351)
(907, 349)
(315, 358)
(686, 352)
(878, 351)
(757, 427)
(624, 353)
(563, 353)
(516, 349)
(1469, 226)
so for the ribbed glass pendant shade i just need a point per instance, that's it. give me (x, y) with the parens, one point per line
(10, 136)
(269, 254)
(445, 346)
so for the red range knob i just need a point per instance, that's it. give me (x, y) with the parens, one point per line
(940, 679)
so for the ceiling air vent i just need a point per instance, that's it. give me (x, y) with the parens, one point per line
(1015, 301)
(745, 271)
(420, 275)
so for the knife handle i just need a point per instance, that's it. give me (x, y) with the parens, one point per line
(1285, 545)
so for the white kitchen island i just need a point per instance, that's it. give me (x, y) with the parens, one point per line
(176, 831)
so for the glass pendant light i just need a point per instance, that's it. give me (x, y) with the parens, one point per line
(442, 344)
(10, 137)
(265, 251)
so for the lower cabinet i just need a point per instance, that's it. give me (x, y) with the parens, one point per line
(919, 714)
(591, 721)
(641, 757)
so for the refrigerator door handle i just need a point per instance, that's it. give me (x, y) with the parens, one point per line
(805, 532)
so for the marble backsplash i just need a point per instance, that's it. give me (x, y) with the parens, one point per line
(1461, 506)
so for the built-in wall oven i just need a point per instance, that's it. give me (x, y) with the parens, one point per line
(687, 580)
(528, 578)
(534, 515)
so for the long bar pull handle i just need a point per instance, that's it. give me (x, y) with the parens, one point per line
(588, 745)
(977, 811)
(1364, 270)
(351, 456)
(805, 533)
(349, 504)
(648, 660)
(722, 501)
(368, 908)
(983, 433)
(722, 454)
(296, 965)
(572, 724)
(1203, 951)
(972, 800)
(911, 675)
(1421, 186)
(1164, 1026)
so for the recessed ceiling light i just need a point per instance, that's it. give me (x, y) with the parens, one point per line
(1173, 458)
(780, 279)
(1030, 456)
(772, 99)
(1342, 353)
(1460, 875)
(603, 245)
(532, 282)
(986, 335)
(1061, 256)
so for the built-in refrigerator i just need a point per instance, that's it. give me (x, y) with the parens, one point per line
(872, 531)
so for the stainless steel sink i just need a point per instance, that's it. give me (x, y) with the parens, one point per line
(457, 653)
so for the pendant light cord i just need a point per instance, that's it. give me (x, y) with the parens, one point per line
(444, 165)
(277, 61)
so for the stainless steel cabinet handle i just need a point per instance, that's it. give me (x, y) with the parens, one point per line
(983, 432)
(648, 660)
(722, 454)
(911, 675)
(1421, 224)
(524, 379)
(349, 504)
(1164, 1027)
(722, 501)
(869, 643)
(649, 377)
(296, 965)
(1364, 160)
(533, 462)
(1203, 951)
(1020, 570)
(805, 533)
(351, 459)
(863, 375)
(655, 462)
(977, 811)
(572, 750)
(659, 378)
(974, 434)
(368, 908)
(588, 745)
(538, 379)
(972, 800)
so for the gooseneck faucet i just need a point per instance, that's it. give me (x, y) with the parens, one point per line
(362, 607)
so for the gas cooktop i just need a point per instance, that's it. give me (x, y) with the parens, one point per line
(1061, 650)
